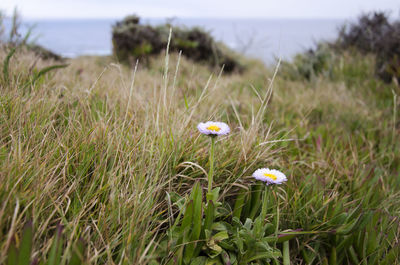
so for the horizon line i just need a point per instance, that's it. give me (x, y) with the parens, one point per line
(184, 17)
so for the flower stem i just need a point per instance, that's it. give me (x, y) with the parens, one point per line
(277, 212)
(211, 172)
(286, 256)
(264, 204)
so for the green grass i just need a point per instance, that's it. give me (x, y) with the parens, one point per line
(92, 149)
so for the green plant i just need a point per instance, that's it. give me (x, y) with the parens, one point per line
(6, 64)
(206, 235)
(21, 255)
(211, 233)
(32, 79)
(311, 64)
(132, 40)
(39, 74)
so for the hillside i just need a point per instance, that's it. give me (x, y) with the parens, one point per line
(98, 152)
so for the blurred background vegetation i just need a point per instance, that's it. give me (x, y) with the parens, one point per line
(373, 34)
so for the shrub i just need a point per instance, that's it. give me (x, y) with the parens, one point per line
(375, 33)
(372, 34)
(131, 40)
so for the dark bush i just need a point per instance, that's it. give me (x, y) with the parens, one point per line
(375, 33)
(366, 34)
(388, 56)
(131, 41)
(44, 53)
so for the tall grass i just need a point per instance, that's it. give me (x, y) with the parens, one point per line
(97, 147)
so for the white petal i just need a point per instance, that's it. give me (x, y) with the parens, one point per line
(259, 174)
(224, 128)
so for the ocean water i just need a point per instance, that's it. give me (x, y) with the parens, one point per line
(266, 39)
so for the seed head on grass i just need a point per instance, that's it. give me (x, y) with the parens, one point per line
(269, 176)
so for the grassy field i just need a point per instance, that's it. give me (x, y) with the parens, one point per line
(99, 149)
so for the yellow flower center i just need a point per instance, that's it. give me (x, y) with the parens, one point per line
(271, 176)
(214, 128)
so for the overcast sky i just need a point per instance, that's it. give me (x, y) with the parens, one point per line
(198, 8)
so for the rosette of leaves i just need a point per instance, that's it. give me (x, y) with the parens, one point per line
(204, 232)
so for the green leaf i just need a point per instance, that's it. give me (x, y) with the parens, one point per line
(347, 228)
(27, 35)
(248, 238)
(55, 251)
(258, 227)
(6, 63)
(236, 222)
(269, 255)
(283, 238)
(25, 249)
(262, 246)
(227, 246)
(187, 217)
(255, 200)
(365, 219)
(354, 213)
(186, 101)
(43, 72)
(338, 219)
(247, 225)
(177, 200)
(228, 258)
(269, 239)
(179, 256)
(196, 223)
(215, 193)
(214, 261)
(308, 256)
(178, 218)
(289, 235)
(219, 226)
(373, 240)
(353, 256)
(197, 212)
(239, 243)
(345, 243)
(332, 258)
(78, 251)
(392, 257)
(239, 203)
(12, 258)
(199, 261)
(220, 236)
(214, 248)
(46, 70)
(209, 216)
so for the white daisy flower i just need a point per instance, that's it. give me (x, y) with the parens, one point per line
(269, 176)
(213, 128)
